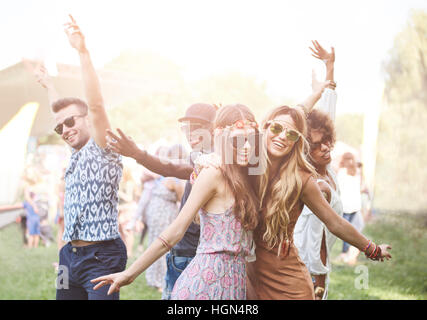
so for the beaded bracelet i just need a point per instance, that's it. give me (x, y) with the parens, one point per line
(372, 254)
(367, 246)
(375, 254)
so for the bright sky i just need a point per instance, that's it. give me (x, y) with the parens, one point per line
(265, 39)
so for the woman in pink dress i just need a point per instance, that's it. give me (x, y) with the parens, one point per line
(226, 200)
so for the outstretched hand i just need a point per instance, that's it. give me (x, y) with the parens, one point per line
(115, 280)
(122, 144)
(322, 54)
(384, 253)
(42, 76)
(74, 34)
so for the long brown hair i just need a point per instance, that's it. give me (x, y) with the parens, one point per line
(280, 194)
(242, 185)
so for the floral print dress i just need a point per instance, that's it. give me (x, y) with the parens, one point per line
(218, 271)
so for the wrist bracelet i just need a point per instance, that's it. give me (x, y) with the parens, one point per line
(373, 252)
(332, 84)
(367, 247)
(165, 243)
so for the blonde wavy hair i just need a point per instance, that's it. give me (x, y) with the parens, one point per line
(280, 193)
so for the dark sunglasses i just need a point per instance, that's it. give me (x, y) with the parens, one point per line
(317, 145)
(277, 128)
(239, 141)
(69, 122)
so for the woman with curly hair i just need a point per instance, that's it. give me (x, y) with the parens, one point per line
(313, 240)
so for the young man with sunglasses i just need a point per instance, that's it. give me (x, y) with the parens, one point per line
(197, 125)
(92, 178)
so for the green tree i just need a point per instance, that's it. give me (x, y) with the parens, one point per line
(401, 173)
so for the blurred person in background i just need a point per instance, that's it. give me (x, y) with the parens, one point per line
(59, 219)
(127, 205)
(22, 220)
(161, 210)
(31, 182)
(360, 217)
(138, 222)
(46, 233)
(366, 195)
(32, 219)
(350, 184)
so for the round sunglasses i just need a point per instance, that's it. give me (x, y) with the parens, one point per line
(68, 122)
(277, 128)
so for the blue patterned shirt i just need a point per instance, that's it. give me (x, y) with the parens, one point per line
(91, 194)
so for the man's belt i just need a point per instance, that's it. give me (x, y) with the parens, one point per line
(183, 252)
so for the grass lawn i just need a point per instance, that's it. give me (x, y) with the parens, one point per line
(29, 274)
(403, 278)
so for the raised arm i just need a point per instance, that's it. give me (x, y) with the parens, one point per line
(340, 227)
(203, 190)
(97, 114)
(311, 100)
(125, 146)
(46, 82)
(327, 57)
(11, 207)
(328, 100)
(322, 90)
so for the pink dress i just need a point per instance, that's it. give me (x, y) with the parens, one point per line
(218, 271)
